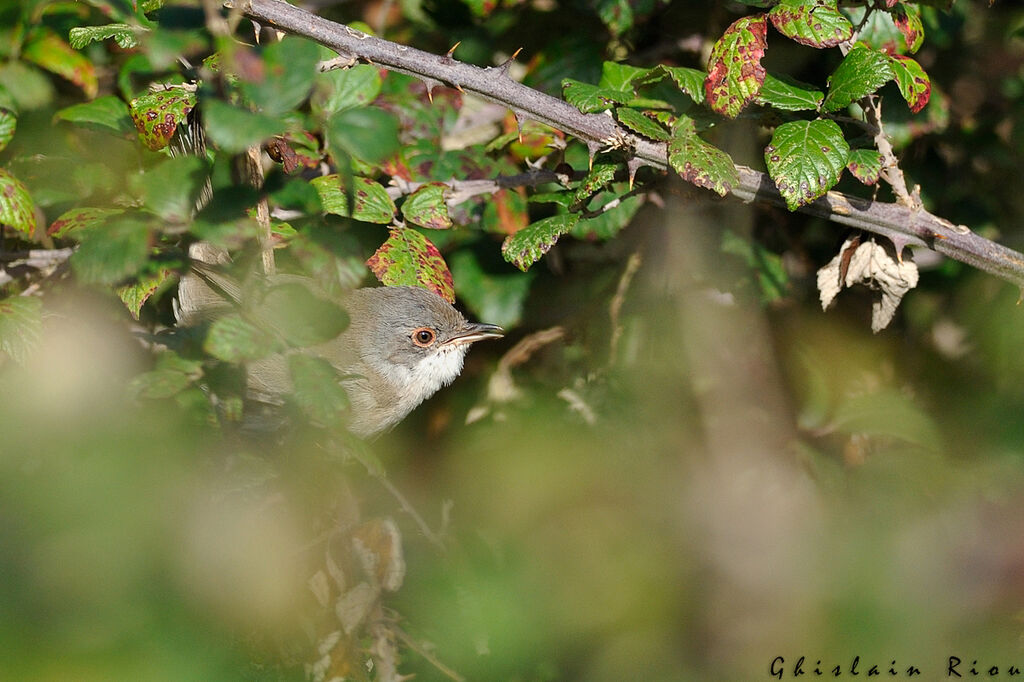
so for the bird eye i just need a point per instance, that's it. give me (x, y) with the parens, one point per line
(423, 337)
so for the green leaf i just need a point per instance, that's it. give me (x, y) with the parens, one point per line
(497, 298)
(698, 162)
(590, 98)
(913, 82)
(805, 159)
(891, 413)
(427, 207)
(289, 67)
(817, 23)
(17, 210)
(171, 187)
(78, 218)
(690, 81)
(616, 76)
(21, 325)
(172, 375)
(234, 130)
(525, 247)
(367, 133)
(788, 94)
(861, 72)
(598, 177)
(106, 113)
(341, 89)
(234, 339)
(158, 114)
(372, 203)
(907, 19)
(298, 317)
(49, 51)
(125, 35)
(638, 123)
(8, 117)
(111, 251)
(735, 73)
(30, 87)
(865, 165)
(617, 15)
(317, 389)
(409, 258)
(134, 295)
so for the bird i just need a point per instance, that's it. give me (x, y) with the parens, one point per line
(402, 343)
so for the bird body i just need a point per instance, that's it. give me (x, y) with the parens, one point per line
(401, 345)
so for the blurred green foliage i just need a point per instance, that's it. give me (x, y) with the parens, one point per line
(695, 472)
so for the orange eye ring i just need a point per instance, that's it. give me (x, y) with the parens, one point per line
(423, 337)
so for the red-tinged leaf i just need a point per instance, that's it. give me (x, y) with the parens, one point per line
(427, 207)
(908, 21)
(865, 165)
(17, 210)
(805, 159)
(506, 212)
(698, 162)
(134, 295)
(48, 50)
(735, 73)
(77, 218)
(913, 82)
(525, 247)
(408, 258)
(817, 23)
(158, 114)
(372, 203)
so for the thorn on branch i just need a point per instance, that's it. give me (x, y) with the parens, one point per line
(507, 64)
(448, 57)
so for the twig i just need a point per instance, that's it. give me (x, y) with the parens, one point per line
(900, 223)
(615, 307)
(404, 637)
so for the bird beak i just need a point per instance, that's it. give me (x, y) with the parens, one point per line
(476, 332)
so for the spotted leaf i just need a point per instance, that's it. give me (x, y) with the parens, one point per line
(427, 207)
(698, 162)
(158, 114)
(805, 159)
(735, 73)
(17, 210)
(408, 258)
(372, 203)
(865, 165)
(525, 247)
(817, 23)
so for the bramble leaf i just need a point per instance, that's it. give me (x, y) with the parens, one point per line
(861, 72)
(48, 50)
(21, 325)
(286, 76)
(525, 247)
(590, 98)
(817, 23)
(158, 114)
(111, 251)
(907, 19)
(735, 73)
(77, 218)
(234, 339)
(367, 133)
(17, 210)
(788, 94)
(409, 258)
(699, 162)
(124, 35)
(638, 123)
(107, 113)
(372, 203)
(427, 207)
(341, 89)
(805, 159)
(134, 295)
(316, 389)
(913, 82)
(865, 165)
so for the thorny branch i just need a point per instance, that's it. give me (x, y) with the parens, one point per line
(904, 225)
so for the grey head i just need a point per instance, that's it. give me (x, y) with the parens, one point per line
(402, 345)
